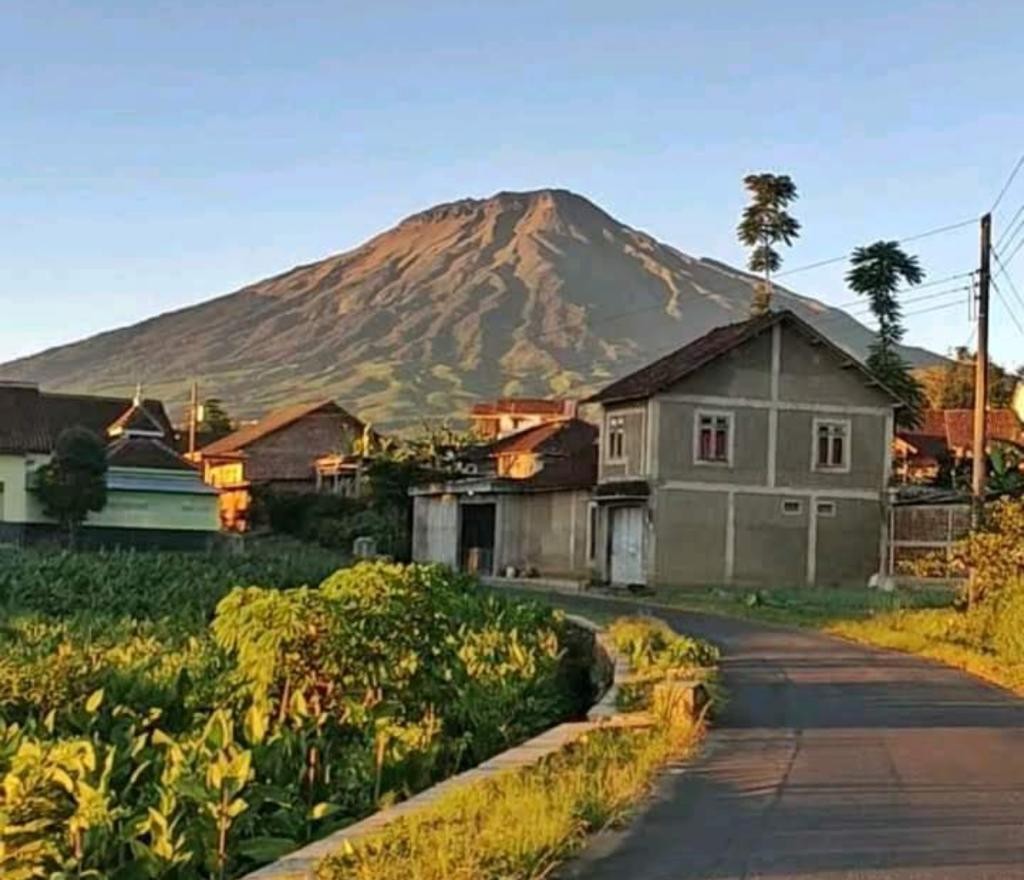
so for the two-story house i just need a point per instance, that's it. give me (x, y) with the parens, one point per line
(757, 454)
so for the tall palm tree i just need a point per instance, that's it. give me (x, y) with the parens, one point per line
(877, 271)
(765, 224)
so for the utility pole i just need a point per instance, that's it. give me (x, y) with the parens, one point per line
(193, 418)
(979, 443)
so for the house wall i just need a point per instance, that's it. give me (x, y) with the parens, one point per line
(690, 537)
(435, 532)
(12, 489)
(546, 531)
(157, 510)
(715, 523)
(289, 453)
(633, 462)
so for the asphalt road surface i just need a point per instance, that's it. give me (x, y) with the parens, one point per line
(833, 761)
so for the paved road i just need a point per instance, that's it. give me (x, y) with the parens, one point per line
(834, 761)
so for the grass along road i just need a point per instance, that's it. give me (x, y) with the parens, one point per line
(920, 622)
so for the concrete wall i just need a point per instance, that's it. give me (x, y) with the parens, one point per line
(849, 543)
(868, 451)
(546, 531)
(12, 489)
(771, 547)
(676, 460)
(743, 372)
(689, 537)
(812, 374)
(435, 532)
(155, 510)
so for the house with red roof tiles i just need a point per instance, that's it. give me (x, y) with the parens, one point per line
(947, 437)
(291, 449)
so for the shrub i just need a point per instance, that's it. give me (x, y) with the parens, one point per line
(995, 553)
(155, 748)
(651, 644)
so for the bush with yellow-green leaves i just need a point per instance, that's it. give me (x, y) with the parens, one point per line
(140, 748)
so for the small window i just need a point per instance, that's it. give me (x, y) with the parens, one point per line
(792, 507)
(713, 438)
(826, 508)
(616, 438)
(831, 445)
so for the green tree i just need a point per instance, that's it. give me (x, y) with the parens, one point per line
(877, 272)
(216, 422)
(73, 483)
(765, 224)
(950, 385)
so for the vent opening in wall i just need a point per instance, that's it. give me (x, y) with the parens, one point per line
(826, 508)
(792, 507)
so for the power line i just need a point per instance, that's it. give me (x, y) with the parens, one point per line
(905, 240)
(1006, 303)
(1009, 226)
(1008, 239)
(1009, 279)
(934, 283)
(1011, 255)
(1008, 184)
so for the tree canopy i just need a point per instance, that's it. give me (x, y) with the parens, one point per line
(877, 272)
(764, 226)
(73, 483)
(951, 385)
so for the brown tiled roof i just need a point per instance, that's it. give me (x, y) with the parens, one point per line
(97, 413)
(1001, 426)
(145, 452)
(22, 423)
(520, 406)
(271, 422)
(31, 420)
(666, 371)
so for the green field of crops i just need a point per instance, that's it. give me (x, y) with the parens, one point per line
(176, 716)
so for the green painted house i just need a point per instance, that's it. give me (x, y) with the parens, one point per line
(155, 498)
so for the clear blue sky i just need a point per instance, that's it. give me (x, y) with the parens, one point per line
(154, 154)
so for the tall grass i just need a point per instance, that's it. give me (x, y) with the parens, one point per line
(520, 825)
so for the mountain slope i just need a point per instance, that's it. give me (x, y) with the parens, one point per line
(522, 293)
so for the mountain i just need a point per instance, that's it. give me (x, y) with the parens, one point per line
(522, 293)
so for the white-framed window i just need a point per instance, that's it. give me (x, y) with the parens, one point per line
(831, 442)
(826, 508)
(615, 448)
(712, 437)
(792, 507)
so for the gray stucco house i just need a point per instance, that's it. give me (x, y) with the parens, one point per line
(757, 454)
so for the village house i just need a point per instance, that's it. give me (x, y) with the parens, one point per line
(301, 448)
(946, 438)
(490, 420)
(524, 512)
(155, 498)
(757, 454)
